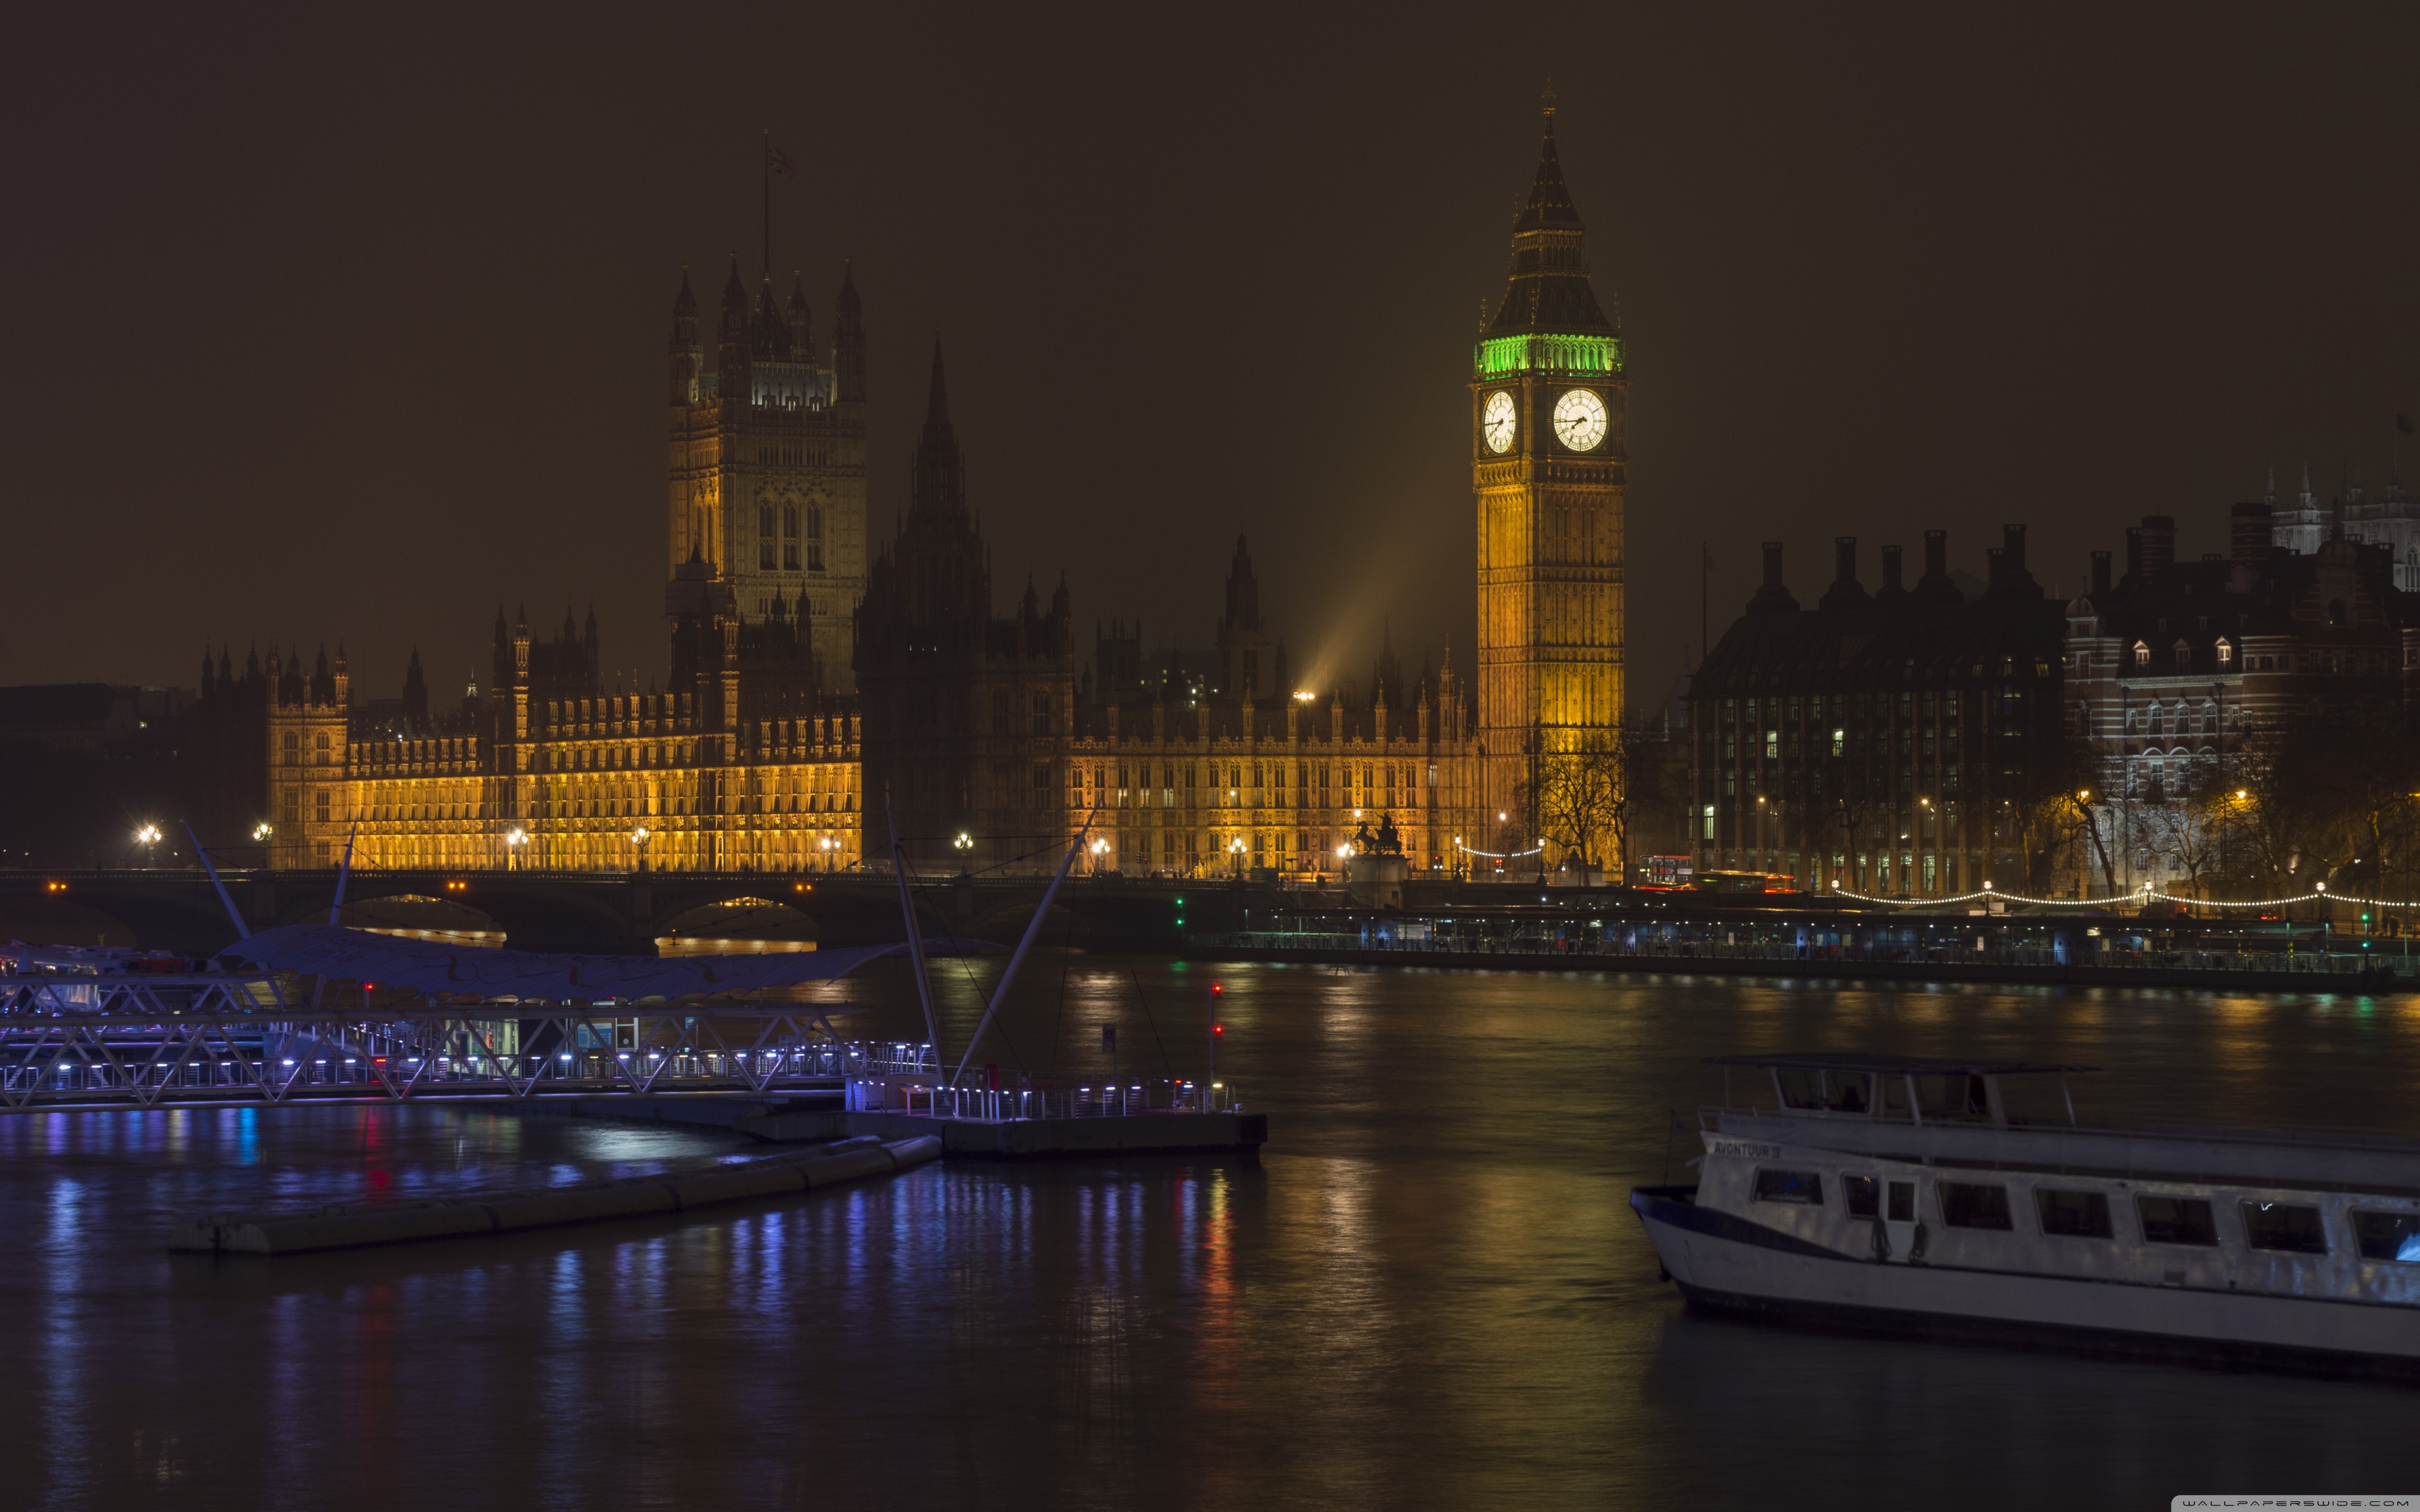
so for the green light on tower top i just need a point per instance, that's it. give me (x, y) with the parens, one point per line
(1578, 355)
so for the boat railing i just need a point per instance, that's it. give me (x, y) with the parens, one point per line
(2319, 1140)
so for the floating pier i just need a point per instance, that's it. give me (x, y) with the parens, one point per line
(359, 1225)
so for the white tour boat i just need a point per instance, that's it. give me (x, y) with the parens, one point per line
(1903, 1195)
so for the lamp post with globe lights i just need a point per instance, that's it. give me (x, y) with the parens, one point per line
(149, 837)
(515, 839)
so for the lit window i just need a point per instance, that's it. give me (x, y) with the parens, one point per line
(2225, 654)
(2142, 654)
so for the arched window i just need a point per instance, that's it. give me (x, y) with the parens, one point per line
(2184, 654)
(2142, 654)
(2225, 655)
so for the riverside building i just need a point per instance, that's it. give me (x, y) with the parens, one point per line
(1889, 742)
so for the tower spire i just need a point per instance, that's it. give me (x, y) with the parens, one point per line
(1548, 290)
(940, 478)
(936, 403)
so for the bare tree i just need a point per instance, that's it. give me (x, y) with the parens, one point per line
(1582, 799)
(2189, 831)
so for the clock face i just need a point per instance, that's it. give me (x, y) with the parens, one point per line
(1579, 420)
(1497, 423)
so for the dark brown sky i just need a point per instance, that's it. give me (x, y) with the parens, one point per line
(329, 326)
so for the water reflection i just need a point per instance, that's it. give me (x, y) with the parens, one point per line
(1430, 1293)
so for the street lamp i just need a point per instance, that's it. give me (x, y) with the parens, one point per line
(640, 837)
(149, 836)
(514, 840)
(1100, 849)
(1235, 848)
(262, 831)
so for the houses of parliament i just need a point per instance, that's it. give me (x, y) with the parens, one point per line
(818, 698)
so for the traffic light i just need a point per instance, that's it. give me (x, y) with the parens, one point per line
(1180, 913)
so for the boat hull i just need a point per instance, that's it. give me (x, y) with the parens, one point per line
(1726, 1263)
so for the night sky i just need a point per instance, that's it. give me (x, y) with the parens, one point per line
(326, 326)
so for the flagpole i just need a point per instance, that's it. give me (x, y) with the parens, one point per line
(1705, 595)
(765, 166)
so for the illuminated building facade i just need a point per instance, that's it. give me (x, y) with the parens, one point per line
(1209, 764)
(1549, 399)
(744, 768)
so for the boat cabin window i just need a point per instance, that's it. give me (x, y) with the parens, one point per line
(2075, 1215)
(2284, 1226)
(1802, 1187)
(2383, 1236)
(2176, 1221)
(1823, 1091)
(1952, 1099)
(1861, 1196)
(1970, 1205)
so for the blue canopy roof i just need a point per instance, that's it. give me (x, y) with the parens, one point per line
(427, 965)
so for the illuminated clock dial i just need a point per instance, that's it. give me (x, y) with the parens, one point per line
(1579, 420)
(1495, 423)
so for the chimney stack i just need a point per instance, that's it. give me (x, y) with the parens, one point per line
(1891, 570)
(1936, 553)
(2247, 533)
(1772, 598)
(1844, 559)
(2014, 560)
(2159, 544)
(2135, 553)
(2099, 576)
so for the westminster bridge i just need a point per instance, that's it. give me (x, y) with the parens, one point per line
(609, 913)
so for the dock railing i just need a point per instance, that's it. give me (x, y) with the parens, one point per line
(1038, 1097)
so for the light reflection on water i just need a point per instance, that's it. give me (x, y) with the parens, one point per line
(1430, 1293)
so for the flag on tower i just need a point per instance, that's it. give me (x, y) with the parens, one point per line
(776, 163)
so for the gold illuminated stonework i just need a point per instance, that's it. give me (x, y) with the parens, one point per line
(1549, 517)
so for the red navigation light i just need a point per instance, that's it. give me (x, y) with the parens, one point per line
(1215, 990)
(1218, 1029)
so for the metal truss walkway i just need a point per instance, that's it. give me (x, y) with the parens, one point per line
(160, 1041)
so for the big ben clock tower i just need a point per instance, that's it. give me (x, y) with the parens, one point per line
(1549, 403)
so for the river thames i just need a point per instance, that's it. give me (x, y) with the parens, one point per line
(1428, 1291)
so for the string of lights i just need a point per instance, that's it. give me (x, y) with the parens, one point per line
(2144, 893)
(1508, 855)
